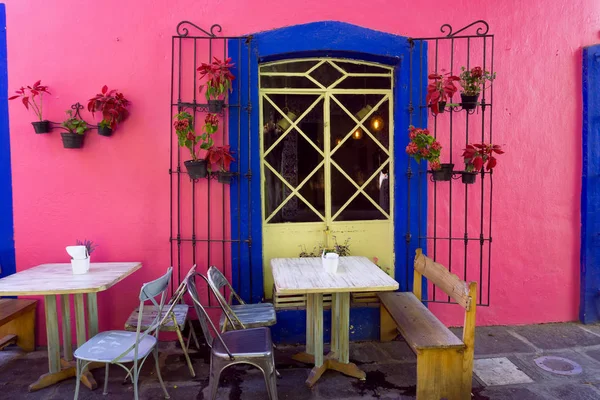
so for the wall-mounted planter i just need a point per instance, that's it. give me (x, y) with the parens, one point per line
(105, 130)
(216, 106)
(469, 102)
(225, 177)
(42, 126)
(468, 177)
(196, 169)
(72, 140)
(441, 107)
(444, 173)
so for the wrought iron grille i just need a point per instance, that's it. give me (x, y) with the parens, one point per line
(200, 209)
(459, 228)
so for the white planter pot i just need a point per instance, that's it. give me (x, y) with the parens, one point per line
(330, 262)
(80, 266)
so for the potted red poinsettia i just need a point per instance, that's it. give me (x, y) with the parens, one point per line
(187, 137)
(472, 82)
(32, 96)
(218, 82)
(477, 156)
(423, 146)
(440, 90)
(220, 156)
(113, 106)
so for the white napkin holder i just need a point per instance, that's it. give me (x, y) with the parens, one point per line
(80, 259)
(331, 262)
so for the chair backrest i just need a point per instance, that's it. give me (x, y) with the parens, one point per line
(177, 296)
(203, 318)
(150, 291)
(217, 281)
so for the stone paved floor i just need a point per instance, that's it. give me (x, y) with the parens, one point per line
(390, 369)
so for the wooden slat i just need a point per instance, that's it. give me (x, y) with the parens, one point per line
(420, 328)
(443, 279)
(14, 308)
(6, 340)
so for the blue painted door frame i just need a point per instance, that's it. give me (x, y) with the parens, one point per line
(7, 243)
(335, 39)
(590, 188)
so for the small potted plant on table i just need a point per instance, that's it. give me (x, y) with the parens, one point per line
(423, 146)
(29, 96)
(218, 82)
(186, 137)
(113, 106)
(472, 81)
(476, 156)
(80, 256)
(440, 90)
(222, 158)
(76, 128)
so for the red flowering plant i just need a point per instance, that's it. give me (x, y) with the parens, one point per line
(423, 146)
(113, 106)
(218, 78)
(440, 90)
(220, 156)
(478, 155)
(32, 96)
(186, 137)
(473, 80)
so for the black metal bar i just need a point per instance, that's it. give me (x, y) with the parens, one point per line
(466, 226)
(409, 172)
(171, 158)
(179, 175)
(239, 166)
(223, 200)
(249, 173)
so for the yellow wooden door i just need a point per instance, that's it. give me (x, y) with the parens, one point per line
(326, 159)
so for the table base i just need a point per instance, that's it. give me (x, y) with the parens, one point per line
(68, 370)
(332, 362)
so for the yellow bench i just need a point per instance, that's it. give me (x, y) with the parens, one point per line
(444, 362)
(17, 323)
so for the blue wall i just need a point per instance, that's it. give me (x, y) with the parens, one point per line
(7, 243)
(333, 39)
(590, 188)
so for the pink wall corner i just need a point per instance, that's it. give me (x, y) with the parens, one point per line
(116, 190)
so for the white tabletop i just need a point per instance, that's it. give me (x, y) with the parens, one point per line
(47, 279)
(307, 275)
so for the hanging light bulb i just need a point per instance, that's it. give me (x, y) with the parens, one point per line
(357, 134)
(377, 123)
(338, 141)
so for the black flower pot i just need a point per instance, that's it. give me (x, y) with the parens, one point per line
(441, 107)
(225, 177)
(469, 177)
(444, 173)
(216, 106)
(469, 102)
(196, 169)
(105, 130)
(72, 140)
(42, 126)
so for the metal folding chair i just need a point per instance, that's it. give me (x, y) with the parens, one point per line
(120, 347)
(174, 323)
(242, 315)
(249, 346)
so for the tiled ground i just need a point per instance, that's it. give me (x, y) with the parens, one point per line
(390, 369)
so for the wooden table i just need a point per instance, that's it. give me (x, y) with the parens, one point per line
(307, 276)
(51, 280)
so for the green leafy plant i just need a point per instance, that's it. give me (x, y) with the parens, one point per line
(184, 129)
(423, 146)
(74, 125)
(218, 78)
(473, 80)
(89, 245)
(343, 250)
(478, 155)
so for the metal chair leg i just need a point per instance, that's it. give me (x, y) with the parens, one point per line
(105, 392)
(77, 379)
(193, 334)
(213, 382)
(185, 352)
(160, 379)
(134, 380)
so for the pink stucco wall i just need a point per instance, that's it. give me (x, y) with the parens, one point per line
(116, 191)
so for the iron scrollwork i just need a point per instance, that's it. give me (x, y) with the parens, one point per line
(482, 30)
(182, 30)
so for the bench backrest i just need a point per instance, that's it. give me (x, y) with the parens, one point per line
(445, 280)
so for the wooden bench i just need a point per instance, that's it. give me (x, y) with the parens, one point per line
(17, 323)
(444, 362)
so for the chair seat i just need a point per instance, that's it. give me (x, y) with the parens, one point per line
(150, 313)
(106, 346)
(255, 342)
(252, 315)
